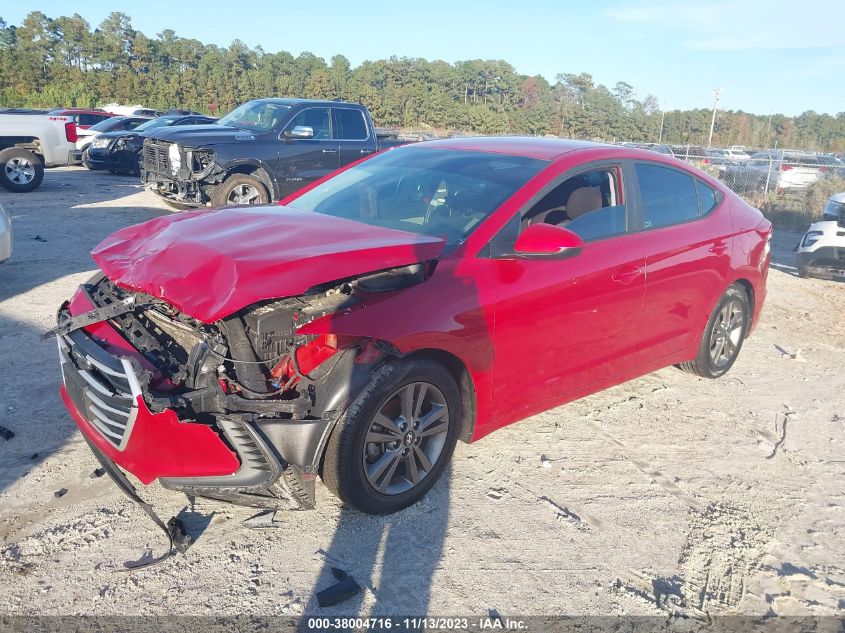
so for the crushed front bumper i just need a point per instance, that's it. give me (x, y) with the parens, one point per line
(184, 192)
(103, 395)
(236, 459)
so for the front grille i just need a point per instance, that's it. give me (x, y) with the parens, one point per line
(156, 159)
(103, 387)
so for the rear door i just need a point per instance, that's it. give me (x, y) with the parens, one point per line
(687, 232)
(352, 133)
(301, 161)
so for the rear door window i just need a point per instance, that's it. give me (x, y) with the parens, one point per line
(349, 124)
(668, 196)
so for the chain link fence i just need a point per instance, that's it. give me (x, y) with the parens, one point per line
(790, 186)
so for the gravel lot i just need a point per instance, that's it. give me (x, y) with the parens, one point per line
(668, 493)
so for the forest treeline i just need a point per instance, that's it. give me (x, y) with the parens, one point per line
(63, 61)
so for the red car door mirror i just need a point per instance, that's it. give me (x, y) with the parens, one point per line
(547, 241)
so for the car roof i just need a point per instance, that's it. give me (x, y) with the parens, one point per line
(529, 147)
(292, 101)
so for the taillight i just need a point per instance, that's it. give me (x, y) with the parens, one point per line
(786, 167)
(70, 131)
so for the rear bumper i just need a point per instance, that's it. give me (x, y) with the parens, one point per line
(824, 261)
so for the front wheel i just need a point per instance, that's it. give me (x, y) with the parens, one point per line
(723, 336)
(240, 189)
(20, 170)
(396, 438)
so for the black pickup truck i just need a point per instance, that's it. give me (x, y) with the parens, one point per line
(259, 152)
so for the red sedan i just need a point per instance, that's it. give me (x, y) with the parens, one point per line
(431, 293)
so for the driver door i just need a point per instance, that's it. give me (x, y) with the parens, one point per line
(565, 324)
(301, 161)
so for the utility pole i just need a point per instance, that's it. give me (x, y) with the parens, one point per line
(662, 118)
(713, 118)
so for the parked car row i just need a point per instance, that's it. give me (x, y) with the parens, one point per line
(119, 150)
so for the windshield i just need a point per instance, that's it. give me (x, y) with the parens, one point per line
(439, 192)
(161, 121)
(108, 124)
(257, 116)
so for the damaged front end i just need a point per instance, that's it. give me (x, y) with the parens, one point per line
(238, 409)
(182, 175)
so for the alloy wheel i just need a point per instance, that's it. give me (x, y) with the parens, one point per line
(406, 438)
(20, 171)
(726, 334)
(244, 194)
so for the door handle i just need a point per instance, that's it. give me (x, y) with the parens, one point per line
(627, 274)
(719, 248)
(367, 151)
(329, 151)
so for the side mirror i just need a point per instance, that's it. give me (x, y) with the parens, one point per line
(300, 131)
(547, 241)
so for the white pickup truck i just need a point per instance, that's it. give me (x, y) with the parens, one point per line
(31, 140)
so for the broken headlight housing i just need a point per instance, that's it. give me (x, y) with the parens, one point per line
(201, 161)
(175, 157)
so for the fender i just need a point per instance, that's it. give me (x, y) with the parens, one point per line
(411, 321)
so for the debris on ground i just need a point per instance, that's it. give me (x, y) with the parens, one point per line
(61, 492)
(262, 521)
(97, 472)
(343, 589)
(6, 434)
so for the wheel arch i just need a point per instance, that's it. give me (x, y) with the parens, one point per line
(258, 170)
(748, 288)
(455, 366)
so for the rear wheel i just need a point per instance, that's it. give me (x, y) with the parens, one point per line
(240, 189)
(395, 440)
(723, 336)
(803, 272)
(20, 170)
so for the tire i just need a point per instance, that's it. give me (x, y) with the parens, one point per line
(248, 189)
(803, 273)
(20, 170)
(363, 473)
(85, 158)
(720, 346)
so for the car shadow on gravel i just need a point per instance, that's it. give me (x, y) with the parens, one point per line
(30, 406)
(391, 558)
(56, 226)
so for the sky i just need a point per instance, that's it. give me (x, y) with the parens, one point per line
(765, 56)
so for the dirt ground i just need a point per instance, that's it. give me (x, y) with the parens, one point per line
(668, 493)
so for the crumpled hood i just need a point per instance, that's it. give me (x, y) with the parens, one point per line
(209, 264)
(200, 135)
